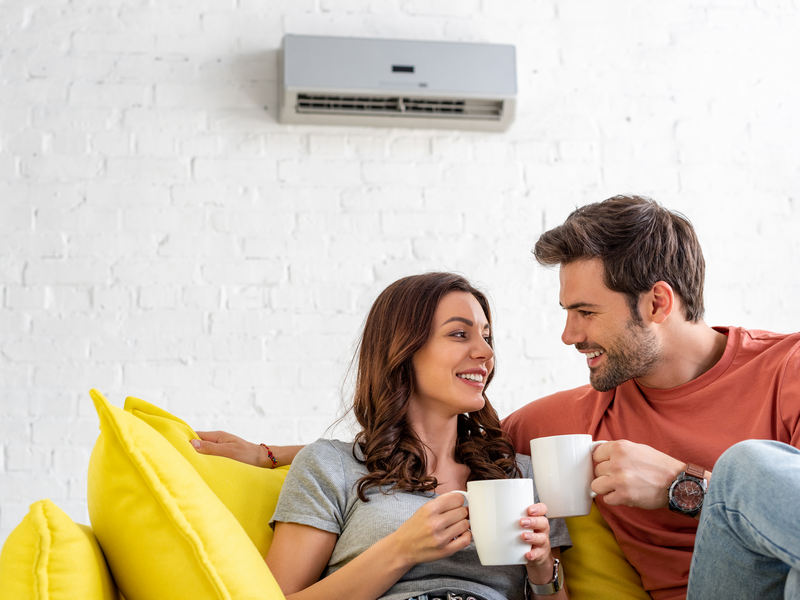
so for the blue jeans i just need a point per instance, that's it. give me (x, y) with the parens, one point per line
(748, 540)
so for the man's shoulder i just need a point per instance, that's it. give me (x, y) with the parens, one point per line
(768, 337)
(753, 342)
(567, 411)
(563, 400)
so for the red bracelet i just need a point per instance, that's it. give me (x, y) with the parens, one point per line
(271, 456)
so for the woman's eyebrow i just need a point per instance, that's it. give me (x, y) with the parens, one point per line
(467, 322)
(461, 319)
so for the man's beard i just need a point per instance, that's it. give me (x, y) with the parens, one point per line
(632, 354)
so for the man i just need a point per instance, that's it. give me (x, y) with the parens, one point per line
(671, 392)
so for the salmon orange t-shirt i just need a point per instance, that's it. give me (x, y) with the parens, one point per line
(752, 392)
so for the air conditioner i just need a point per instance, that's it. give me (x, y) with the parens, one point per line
(396, 83)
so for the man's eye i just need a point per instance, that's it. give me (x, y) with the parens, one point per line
(585, 313)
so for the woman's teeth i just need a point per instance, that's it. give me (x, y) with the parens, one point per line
(471, 377)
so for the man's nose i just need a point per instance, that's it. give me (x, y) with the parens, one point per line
(573, 333)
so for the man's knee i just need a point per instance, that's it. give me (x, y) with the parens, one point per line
(745, 462)
(748, 452)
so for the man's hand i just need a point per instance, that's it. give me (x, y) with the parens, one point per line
(633, 474)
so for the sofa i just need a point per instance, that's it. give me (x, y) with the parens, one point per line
(169, 523)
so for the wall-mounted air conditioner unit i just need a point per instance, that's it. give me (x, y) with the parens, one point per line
(396, 83)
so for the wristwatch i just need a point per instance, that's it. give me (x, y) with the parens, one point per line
(687, 492)
(545, 589)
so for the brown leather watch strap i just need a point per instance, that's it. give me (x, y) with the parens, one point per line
(695, 471)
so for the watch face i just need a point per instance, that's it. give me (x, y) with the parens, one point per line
(687, 494)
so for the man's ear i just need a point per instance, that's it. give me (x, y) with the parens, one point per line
(660, 302)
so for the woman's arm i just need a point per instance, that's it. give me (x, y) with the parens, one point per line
(539, 570)
(222, 443)
(299, 553)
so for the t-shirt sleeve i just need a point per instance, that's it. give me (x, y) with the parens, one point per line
(559, 535)
(314, 492)
(790, 397)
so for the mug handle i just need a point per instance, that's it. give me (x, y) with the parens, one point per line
(463, 493)
(596, 443)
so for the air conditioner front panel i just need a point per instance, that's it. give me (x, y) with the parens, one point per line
(397, 83)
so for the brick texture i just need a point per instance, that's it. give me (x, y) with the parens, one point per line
(161, 235)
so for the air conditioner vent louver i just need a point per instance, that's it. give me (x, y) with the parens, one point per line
(396, 83)
(399, 106)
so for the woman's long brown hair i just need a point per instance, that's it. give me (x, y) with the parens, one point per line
(398, 325)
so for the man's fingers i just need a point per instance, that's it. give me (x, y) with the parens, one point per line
(602, 485)
(602, 452)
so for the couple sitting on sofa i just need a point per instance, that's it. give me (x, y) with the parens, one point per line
(370, 518)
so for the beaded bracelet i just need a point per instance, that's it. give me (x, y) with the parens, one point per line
(271, 456)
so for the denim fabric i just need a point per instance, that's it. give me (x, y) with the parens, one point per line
(748, 540)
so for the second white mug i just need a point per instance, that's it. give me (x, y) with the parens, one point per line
(563, 471)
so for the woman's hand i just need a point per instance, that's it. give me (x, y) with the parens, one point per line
(436, 530)
(536, 532)
(222, 443)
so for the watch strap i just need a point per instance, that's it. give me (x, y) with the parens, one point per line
(545, 589)
(695, 471)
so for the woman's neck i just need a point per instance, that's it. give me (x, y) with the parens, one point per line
(439, 437)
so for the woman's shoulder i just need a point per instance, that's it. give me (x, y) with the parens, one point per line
(327, 450)
(326, 460)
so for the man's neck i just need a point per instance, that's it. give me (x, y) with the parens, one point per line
(688, 351)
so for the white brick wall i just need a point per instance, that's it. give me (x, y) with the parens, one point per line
(162, 236)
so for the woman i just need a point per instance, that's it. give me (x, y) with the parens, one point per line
(372, 518)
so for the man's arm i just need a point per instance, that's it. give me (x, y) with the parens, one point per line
(633, 474)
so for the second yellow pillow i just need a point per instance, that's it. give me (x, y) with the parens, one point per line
(249, 492)
(165, 534)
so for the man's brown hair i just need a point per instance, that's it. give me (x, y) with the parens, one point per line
(639, 241)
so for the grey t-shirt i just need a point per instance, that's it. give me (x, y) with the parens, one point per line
(319, 491)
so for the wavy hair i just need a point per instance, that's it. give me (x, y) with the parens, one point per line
(398, 325)
(639, 241)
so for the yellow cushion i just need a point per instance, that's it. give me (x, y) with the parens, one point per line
(595, 568)
(249, 492)
(165, 534)
(50, 557)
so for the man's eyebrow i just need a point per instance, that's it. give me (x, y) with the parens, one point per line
(577, 305)
(467, 322)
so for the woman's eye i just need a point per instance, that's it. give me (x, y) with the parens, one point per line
(459, 334)
(488, 339)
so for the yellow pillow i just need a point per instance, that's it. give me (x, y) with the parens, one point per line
(50, 557)
(249, 492)
(595, 568)
(164, 532)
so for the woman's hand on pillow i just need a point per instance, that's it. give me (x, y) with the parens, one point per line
(222, 443)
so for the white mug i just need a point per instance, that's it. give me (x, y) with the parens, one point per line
(495, 508)
(563, 471)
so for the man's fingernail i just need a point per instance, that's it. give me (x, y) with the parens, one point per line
(525, 522)
(195, 443)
